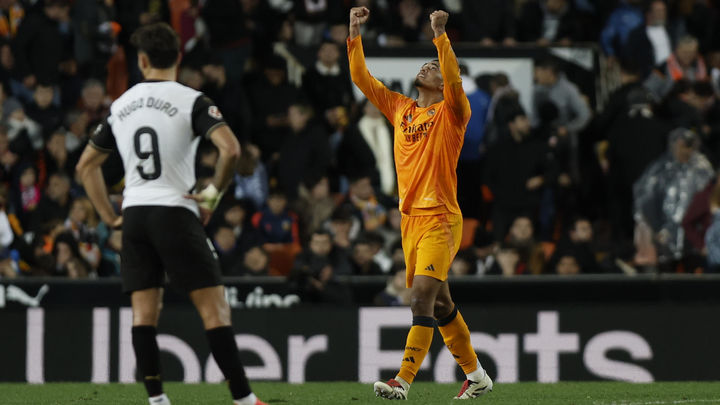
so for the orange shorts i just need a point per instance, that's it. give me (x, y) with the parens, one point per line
(430, 243)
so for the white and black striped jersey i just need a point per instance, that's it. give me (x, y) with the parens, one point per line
(156, 127)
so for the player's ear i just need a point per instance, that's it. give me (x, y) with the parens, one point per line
(441, 87)
(143, 61)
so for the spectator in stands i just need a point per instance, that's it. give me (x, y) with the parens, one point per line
(482, 252)
(251, 178)
(277, 225)
(626, 17)
(255, 262)
(684, 63)
(344, 227)
(362, 259)
(490, 22)
(95, 35)
(470, 164)
(547, 22)
(320, 253)
(380, 256)
(521, 237)
(364, 204)
(93, 102)
(228, 95)
(271, 96)
(43, 48)
(651, 44)
(235, 215)
(76, 136)
(43, 111)
(391, 231)
(20, 126)
(507, 262)
(26, 194)
(312, 18)
(663, 194)
(395, 292)
(82, 222)
(503, 102)
(314, 275)
(327, 83)
(352, 156)
(568, 265)
(635, 139)
(377, 133)
(577, 243)
(407, 23)
(68, 261)
(55, 156)
(514, 172)
(699, 216)
(551, 85)
(314, 205)
(110, 247)
(712, 237)
(304, 152)
(462, 264)
(55, 204)
(229, 256)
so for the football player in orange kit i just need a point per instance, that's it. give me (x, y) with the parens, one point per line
(429, 134)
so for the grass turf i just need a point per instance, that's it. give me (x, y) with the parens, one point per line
(598, 393)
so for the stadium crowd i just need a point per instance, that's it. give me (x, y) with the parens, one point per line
(562, 188)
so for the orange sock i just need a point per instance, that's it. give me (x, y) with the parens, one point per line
(416, 347)
(456, 334)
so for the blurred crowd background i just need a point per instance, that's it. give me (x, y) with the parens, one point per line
(568, 186)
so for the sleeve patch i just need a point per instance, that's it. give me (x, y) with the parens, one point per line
(214, 112)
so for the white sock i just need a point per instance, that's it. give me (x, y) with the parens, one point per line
(161, 399)
(478, 374)
(405, 384)
(248, 400)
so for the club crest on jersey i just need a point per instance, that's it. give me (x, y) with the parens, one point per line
(214, 112)
(431, 112)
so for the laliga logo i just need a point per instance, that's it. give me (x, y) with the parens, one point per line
(13, 293)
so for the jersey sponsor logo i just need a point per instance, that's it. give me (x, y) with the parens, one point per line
(214, 112)
(416, 132)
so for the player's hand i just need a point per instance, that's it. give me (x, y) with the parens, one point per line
(438, 19)
(115, 222)
(359, 16)
(207, 200)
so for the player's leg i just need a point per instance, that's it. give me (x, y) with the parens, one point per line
(456, 335)
(215, 313)
(142, 277)
(146, 307)
(422, 298)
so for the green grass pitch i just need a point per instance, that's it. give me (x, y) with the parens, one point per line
(598, 393)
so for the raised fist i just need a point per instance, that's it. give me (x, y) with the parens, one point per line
(359, 15)
(438, 19)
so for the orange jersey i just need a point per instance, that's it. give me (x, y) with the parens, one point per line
(427, 140)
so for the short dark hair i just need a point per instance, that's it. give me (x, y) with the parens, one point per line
(159, 42)
(549, 63)
(321, 232)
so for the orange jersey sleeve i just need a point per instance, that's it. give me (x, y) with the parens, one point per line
(384, 99)
(453, 92)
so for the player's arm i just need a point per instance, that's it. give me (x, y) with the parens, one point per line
(89, 170)
(207, 121)
(453, 92)
(383, 98)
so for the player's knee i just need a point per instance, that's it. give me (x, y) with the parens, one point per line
(215, 316)
(146, 315)
(442, 308)
(421, 305)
